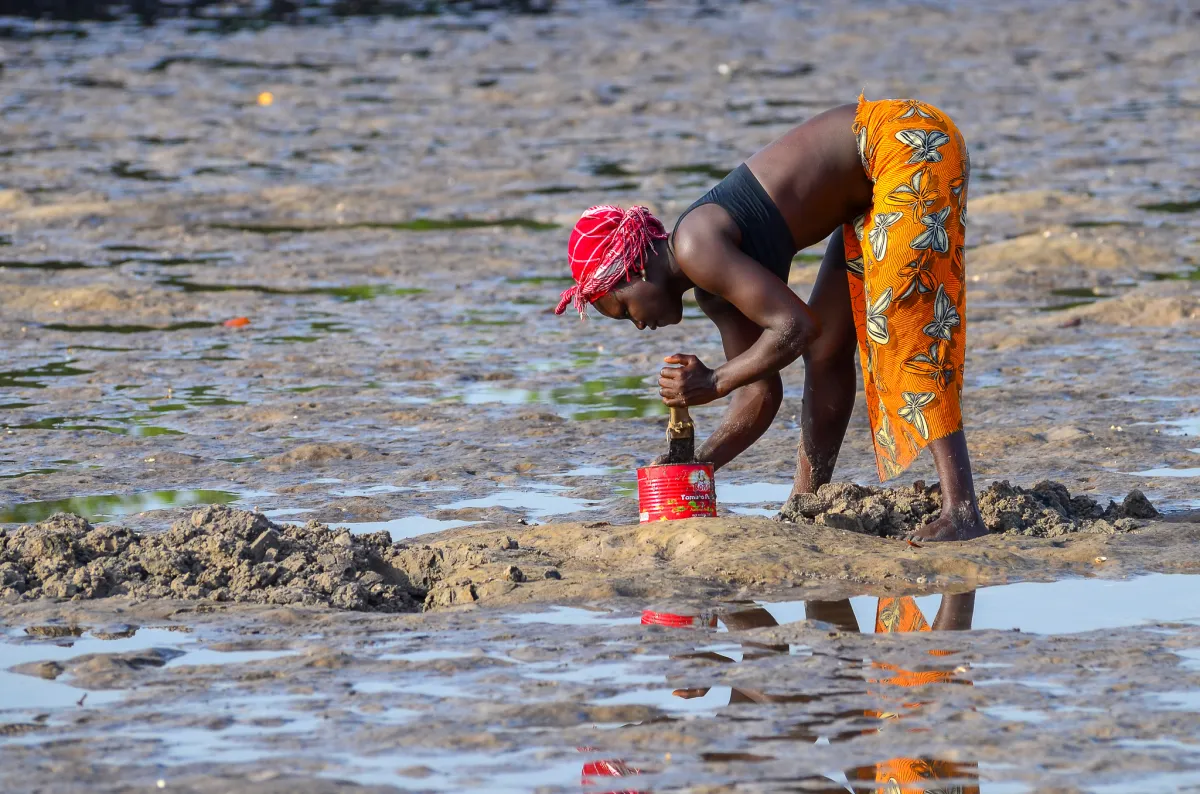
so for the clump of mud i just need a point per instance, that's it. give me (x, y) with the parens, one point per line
(1046, 510)
(221, 554)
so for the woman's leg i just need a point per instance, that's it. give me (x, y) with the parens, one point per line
(960, 518)
(915, 290)
(839, 613)
(829, 379)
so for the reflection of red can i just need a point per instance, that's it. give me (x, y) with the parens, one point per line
(610, 768)
(678, 490)
(672, 621)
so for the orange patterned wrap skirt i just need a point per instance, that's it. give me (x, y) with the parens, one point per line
(905, 259)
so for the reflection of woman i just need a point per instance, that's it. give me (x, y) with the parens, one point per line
(913, 775)
(892, 615)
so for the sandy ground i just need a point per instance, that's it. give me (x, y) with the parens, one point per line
(392, 225)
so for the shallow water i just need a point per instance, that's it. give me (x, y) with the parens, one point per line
(386, 201)
(106, 507)
(790, 704)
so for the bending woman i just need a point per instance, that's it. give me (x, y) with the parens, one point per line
(886, 182)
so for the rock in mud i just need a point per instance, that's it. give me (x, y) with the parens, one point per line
(217, 553)
(1046, 510)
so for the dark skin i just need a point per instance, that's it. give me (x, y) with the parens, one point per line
(815, 177)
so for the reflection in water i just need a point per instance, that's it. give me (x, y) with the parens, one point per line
(600, 398)
(129, 328)
(888, 683)
(31, 377)
(609, 398)
(595, 771)
(418, 225)
(106, 506)
(913, 775)
(347, 294)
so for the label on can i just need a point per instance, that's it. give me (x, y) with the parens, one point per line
(681, 490)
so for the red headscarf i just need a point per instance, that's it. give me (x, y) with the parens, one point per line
(608, 245)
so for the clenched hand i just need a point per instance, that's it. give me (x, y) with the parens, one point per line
(689, 382)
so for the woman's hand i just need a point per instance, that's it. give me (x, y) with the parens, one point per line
(687, 383)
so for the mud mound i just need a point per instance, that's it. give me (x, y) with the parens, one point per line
(316, 455)
(1046, 510)
(1060, 252)
(1145, 307)
(1025, 202)
(217, 553)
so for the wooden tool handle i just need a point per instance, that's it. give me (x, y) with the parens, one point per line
(680, 424)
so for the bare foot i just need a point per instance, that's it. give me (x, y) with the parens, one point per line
(961, 522)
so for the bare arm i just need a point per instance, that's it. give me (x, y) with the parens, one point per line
(710, 259)
(753, 407)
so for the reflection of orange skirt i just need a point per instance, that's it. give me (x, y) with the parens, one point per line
(909, 775)
(914, 775)
(907, 286)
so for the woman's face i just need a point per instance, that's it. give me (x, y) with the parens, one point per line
(646, 304)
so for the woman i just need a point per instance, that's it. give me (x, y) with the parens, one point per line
(886, 182)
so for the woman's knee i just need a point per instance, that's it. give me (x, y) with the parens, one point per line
(831, 352)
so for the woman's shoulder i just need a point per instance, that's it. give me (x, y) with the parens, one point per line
(702, 230)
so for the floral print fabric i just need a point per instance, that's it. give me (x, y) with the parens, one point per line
(905, 263)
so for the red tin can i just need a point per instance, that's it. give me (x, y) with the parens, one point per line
(678, 490)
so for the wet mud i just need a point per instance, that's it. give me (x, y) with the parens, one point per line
(384, 201)
(221, 554)
(1046, 510)
(217, 554)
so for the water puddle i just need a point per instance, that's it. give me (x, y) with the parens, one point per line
(401, 528)
(133, 426)
(573, 616)
(1175, 207)
(33, 694)
(600, 398)
(753, 499)
(418, 225)
(1185, 275)
(346, 294)
(1188, 426)
(1068, 606)
(105, 507)
(610, 168)
(131, 328)
(537, 503)
(164, 260)
(31, 377)
(124, 169)
(539, 280)
(1168, 472)
(315, 332)
(710, 170)
(27, 473)
(556, 190)
(592, 471)
(48, 264)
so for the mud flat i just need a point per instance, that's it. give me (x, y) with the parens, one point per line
(842, 537)
(385, 202)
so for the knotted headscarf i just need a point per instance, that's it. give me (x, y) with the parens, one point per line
(608, 245)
